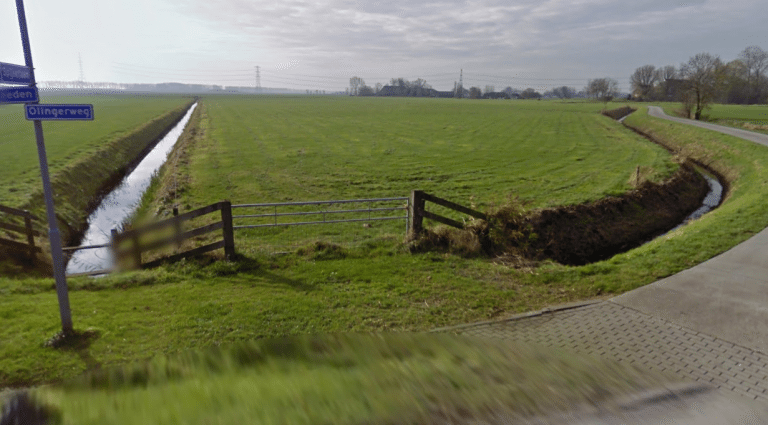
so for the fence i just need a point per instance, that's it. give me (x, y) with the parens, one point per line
(411, 210)
(330, 221)
(139, 244)
(419, 213)
(26, 230)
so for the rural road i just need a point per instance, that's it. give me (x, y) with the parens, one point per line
(707, 324)
(762, 139)
(725, 297)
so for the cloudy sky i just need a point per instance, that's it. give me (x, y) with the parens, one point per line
(320, 44)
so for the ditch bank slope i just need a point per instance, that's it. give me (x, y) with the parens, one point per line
(79, 188)
(585, 233)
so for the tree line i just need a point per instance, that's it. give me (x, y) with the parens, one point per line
(705, 79)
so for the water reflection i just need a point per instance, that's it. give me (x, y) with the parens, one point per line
(121, 203)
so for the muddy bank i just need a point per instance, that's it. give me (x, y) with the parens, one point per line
(581, 234)
(79, 188)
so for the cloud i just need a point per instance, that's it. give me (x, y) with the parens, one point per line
(520, 36)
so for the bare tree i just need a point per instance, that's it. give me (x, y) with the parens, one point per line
(489, 89)
(355, 83)
(530, 93)
(703, 76)
(665, 73)
(365, 91)
(564, 92)
(665, 89)
(642, 81)
(475, 93)
(378, 87)
(736, 87)
(755, 60)
(603, 89)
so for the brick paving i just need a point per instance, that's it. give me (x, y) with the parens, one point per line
(607, 329)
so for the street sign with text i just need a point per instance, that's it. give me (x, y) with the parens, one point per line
(59, 112)
(18, 95)
(14, 74)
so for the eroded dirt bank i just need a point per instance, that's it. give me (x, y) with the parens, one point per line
(581, 234)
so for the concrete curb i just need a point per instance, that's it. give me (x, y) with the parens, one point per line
(546, 310)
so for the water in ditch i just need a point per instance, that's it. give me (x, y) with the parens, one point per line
(119, 204)
(711, 201)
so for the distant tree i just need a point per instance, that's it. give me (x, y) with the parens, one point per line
(459, 91)
(643, 80)
(564, 92)
(489, 89)
(530, 93)
(365, 91)
(512, 93)
(603, 89)
(475, 93)
(378, 87)
(398, 82)
(736, 88)
(755, 61)
(703, 74)
(355, 83)
(665, 73)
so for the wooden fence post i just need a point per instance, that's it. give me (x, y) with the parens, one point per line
(136, 249)
(417, 213)
(30, 234)
(177, 229)
(229, 236)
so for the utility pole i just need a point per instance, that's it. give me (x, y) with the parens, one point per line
(460, 88)
(258, 79)
(81, 81)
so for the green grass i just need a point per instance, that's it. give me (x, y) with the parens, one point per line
(747, 117)
(347, 379)
(376, 287)
(476, 153)
(67, 142)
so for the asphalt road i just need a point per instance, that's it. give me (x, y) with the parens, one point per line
(762, 139)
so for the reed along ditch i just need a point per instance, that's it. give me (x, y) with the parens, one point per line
(121, 202)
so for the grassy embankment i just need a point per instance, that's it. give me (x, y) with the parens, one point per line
(83, 157)
(140, 314)
(348, 379)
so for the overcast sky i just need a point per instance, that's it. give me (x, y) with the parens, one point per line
(320, 44)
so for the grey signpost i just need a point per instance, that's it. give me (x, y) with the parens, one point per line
(15, 74)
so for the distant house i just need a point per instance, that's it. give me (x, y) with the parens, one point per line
(496, 95)
(412, 92)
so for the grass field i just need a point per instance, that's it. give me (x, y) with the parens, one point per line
(378, 287)
(67, 142)
(476, 153)
(747, 117)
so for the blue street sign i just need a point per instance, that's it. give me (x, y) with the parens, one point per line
(18, 95)
(59, 112)
(14, 74)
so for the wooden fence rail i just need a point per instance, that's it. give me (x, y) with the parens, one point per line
(25, 230)
(137, 248)
(419, 213)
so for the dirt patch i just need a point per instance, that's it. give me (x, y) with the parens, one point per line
(619, 113)
(574, 234)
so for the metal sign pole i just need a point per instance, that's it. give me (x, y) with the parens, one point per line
(53, 228)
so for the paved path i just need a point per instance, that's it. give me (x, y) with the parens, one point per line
(708, 323)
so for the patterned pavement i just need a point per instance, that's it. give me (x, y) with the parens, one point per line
(607, 329)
